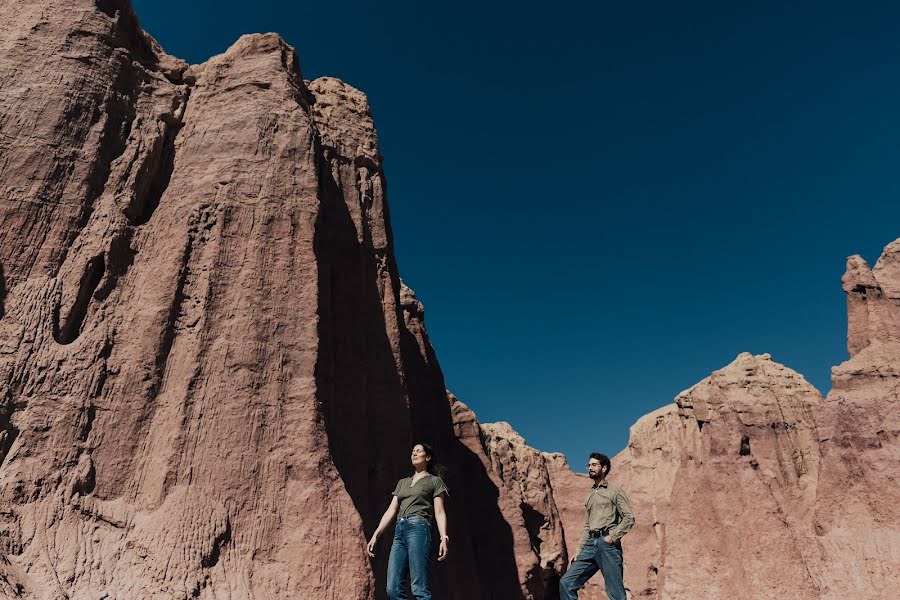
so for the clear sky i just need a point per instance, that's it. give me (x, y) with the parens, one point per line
(602, 202)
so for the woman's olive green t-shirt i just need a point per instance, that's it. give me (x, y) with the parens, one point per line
(418, 499)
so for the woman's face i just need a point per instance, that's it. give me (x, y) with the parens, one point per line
(418, 457)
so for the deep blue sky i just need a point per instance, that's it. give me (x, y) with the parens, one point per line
(602, 202)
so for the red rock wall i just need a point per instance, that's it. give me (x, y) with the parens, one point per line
(751, 485)
(722, 483)
(211, 374)
(856, 519)
(526, 479)
(525, 499)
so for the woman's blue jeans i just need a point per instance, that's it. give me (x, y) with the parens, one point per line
(410, 556)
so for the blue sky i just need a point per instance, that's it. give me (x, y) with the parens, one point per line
(602, 202)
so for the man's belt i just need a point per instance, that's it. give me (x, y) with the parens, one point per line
(599, 533)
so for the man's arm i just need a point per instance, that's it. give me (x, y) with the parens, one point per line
(626, 517)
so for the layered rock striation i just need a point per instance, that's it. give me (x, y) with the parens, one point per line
(211, 373)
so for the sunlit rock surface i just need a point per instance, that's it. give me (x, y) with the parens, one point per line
(211, 374)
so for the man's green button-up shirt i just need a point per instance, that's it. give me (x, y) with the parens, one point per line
(606, 507)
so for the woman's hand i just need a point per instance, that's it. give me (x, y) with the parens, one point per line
(370, 548)
(440, 516)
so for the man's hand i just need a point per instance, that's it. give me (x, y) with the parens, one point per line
(608, 539)
(442, 549)
(370, 548)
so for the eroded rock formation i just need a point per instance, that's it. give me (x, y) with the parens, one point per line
(753, 486)
(724, 481)
(524, 497)
(856, 515)
(211, 373)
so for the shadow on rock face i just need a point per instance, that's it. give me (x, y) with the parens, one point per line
(483, 564)
(371, 426)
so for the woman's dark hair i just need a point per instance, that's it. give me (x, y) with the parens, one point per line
(601, 458)
(433, 466)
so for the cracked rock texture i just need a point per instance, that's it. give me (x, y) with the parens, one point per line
(210, 372)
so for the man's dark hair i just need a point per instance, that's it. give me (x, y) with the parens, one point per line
(603, 460)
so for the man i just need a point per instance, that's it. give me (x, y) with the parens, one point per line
(607, 518)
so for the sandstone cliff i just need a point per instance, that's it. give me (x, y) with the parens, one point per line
(724, 481)
(753, 486)
(210, 372)
(524, 497)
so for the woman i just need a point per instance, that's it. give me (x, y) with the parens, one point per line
(420, 502)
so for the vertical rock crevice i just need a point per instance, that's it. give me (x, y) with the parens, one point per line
(361, 393)
(155, 173)
(8, 433)
(113, 119)
(67, 328)
(170, 327)
(119, 259)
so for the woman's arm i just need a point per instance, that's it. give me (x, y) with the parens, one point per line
(440, 515)
(386, 519)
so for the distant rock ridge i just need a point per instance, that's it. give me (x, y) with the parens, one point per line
(751, 485)
(211, 373)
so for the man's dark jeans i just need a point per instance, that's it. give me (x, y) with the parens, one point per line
(410, 555)
(596, 555)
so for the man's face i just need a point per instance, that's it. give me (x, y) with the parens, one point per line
(594, 469)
